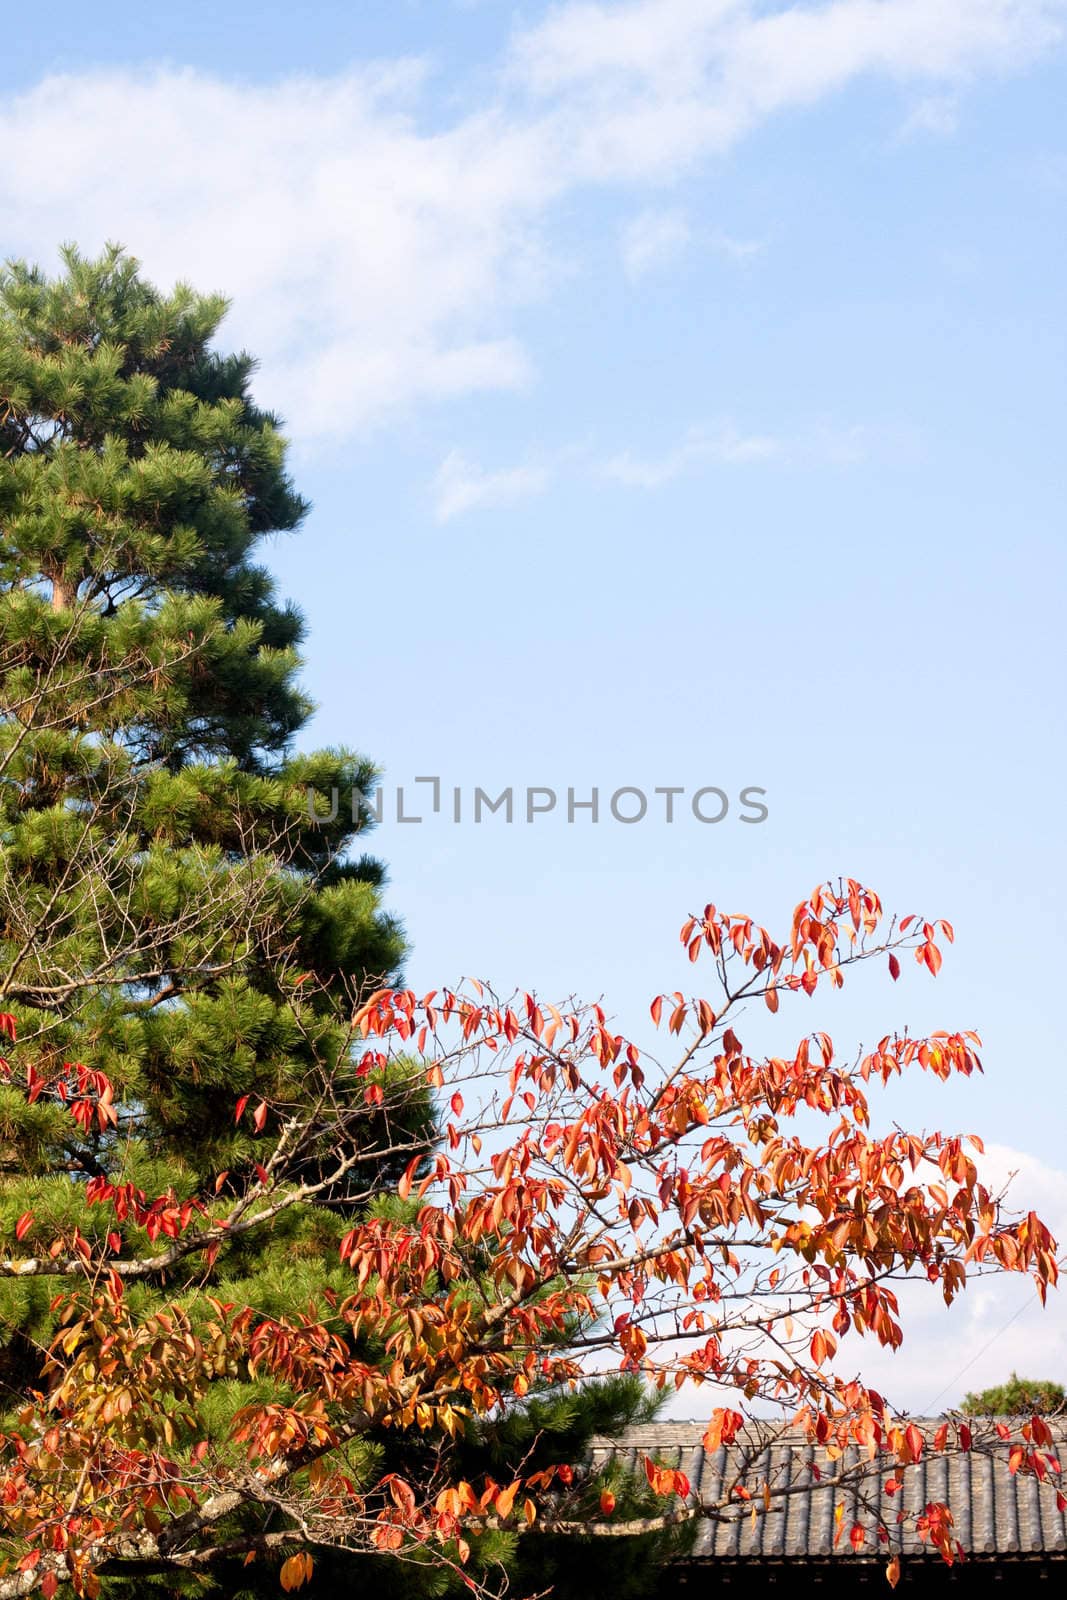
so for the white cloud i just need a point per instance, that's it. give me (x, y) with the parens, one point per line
(725, 445)
(460, 486)
(722, 445)
(725, 244)
(995, 1326)
(371, 265)
(1027, 1184)
(650, 86)
(651, 241)
(376, 260)
(936, 114)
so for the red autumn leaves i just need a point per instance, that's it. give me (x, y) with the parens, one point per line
(619, 1212)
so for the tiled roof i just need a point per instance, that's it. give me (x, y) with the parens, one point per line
(997, 1513)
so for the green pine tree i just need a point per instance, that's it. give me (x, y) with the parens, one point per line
(1016, 1398)
(170, 913)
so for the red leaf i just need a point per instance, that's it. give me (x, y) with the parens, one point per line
(894, 967)
(607, 1502)
(23, 1225)
(239, 1113)
(456, 1103)
(259, 1116)
(656, 1008)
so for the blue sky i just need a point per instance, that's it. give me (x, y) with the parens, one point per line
(680, 388)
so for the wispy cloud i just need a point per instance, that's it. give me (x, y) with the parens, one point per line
(725, 244)
(652, 240)
(937, 114)
(461, 486)
(376, 254)
(723, 445)
(668, 81)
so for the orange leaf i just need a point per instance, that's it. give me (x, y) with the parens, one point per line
(506, 1499)
(892, 1572)
(293, 1573)
(607, 1502)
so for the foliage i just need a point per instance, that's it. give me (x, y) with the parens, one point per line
(187, 1133)
(725, 1219)
(1016, 1398)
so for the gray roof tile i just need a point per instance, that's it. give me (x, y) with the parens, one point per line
(997, 1513)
